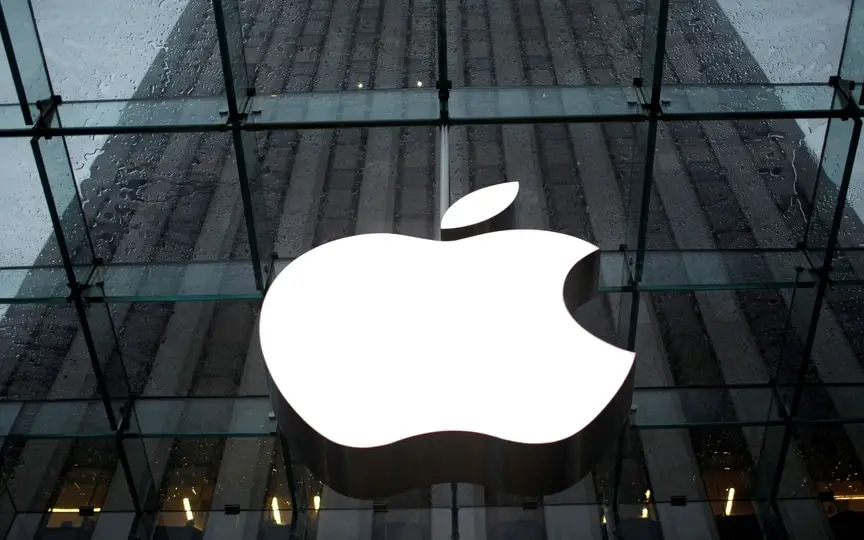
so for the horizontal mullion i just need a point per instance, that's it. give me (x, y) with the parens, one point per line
(249, 416)
(421, 106)
(196, 281)
(752, 115)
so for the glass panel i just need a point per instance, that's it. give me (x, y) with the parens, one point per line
(28, 52)
(45, 357)
(80, 117)
(157, 49)
(130, 488)
(59, 474)
(839, 142)
(727, 42)
(202, 474)
(380, 106)
(235, 71)
(713, 338)
(811, 99)
(162, 197)
(274, 38)
(195, 281)
(852, 63)
(771, 459)
(7, 511)
(65, 418)
(257, 215)
(58, 180)
(26, 232)
(175, 525)
(8, 95)
(831, 454)
(11, 120)
(108, 355)
(189, 349)
(704, 406)
(565, 185)
(731, 185)
(138, 474)
(723, 269)
(636, 197)
(793, 361)
(205, 416)
(488, 104)
(654, 33)
(719, 458)
(27, 284)
(497, 43)
(827, 402)
(8, 414)
(354, 181)
(339, 45)
(577, 511)
(837, 346)
(846, 267)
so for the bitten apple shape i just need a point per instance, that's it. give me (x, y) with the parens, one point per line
(398, 362)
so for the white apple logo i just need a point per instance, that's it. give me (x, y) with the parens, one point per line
(398, 362)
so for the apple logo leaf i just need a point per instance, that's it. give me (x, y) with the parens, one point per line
(397, 362)
(486, 210)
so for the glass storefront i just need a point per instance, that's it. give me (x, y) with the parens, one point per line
(162, 160)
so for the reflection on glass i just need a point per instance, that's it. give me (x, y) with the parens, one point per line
(283, 110)
(58, 183)
(134, 115)
(810, 99)
(490, 104)
(109, 58)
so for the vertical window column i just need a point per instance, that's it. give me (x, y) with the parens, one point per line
(239, 93)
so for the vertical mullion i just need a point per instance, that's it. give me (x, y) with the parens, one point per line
(225, 56)
(659, 55)
(443, 83)
(645, 199)
(653, 106)
(54, 215)
(14, 70)
(655, 25)
(771, 464)
(232, 55)
(824, 273)
(39, 105)
(443, 175)
(639, 193)
(852, 55)
(20, 38)
(246, 195)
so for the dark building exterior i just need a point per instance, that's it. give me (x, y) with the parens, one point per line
(724, 199)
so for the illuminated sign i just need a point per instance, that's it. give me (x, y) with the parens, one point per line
(398, 362)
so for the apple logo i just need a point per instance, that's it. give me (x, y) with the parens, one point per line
(398, 362)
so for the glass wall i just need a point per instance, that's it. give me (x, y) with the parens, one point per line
(162, 160)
